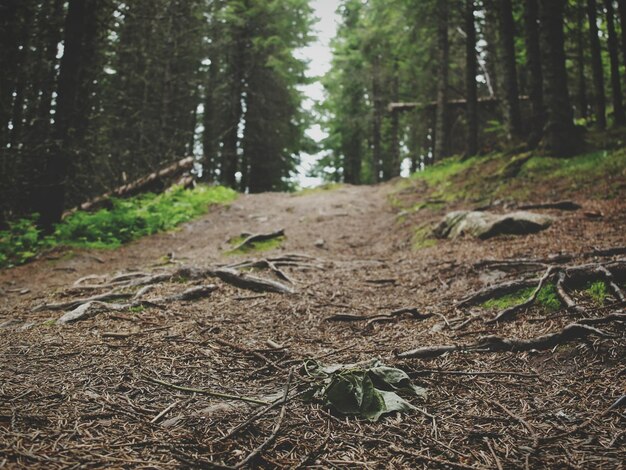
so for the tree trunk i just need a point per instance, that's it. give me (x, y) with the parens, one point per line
(377, 121)
(580, 60)
(441, 117)
(76, 78)
(209, 134)
(618, 106)
(392, 160)
(491, 36)
(622, 19)
(351, 143)
(533, 62)
(510, 90)
(596, 65)
(230, 155)
(561, 137)
(470, 79)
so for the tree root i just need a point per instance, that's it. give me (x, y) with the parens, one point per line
(120, 285)
(509, 313)
(572, 332)
(259, 237)
(91, 307)
(560, 205)
(413, 312)
(564, 277)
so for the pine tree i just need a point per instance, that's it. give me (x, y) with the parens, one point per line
(560, 136)
(619, 115)
(596, 65)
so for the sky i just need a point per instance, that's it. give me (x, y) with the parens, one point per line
(319, 56)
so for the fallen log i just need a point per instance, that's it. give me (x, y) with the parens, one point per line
(156, 181)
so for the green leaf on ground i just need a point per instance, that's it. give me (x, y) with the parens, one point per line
(367, 390)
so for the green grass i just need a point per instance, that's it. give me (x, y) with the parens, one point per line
(443, 171)
(128, 220)
(265, 245)
(547, 298)
(598, 291)
(423, 238)
(480, 178)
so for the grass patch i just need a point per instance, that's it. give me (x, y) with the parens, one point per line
(137, 309)
(482, 178)
(547, 298)
(423, 238)
(128, 220)
(598, 291)
(261, 246)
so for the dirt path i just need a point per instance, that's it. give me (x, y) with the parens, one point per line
(77, 395)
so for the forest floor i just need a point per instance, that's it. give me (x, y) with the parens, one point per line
(84, 395)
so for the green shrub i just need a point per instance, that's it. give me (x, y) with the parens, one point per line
(128, 220)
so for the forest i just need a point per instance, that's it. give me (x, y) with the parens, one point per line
(449, 294)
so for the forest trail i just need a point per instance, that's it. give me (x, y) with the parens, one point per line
(78, 394)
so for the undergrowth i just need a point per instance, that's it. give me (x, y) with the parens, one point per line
(480, 178)
(423, 238)
(127, 220)
(546, 298)
(598, 292)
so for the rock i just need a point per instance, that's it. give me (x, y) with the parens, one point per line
(486, 225)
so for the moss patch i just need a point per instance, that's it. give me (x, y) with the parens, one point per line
(265, 245)
(547, 298)
(423, 238)
(480, 179)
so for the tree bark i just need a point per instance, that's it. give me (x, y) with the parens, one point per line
(510, 89)
(561, 137)
(599, 100)
(580, 60)
(616, 87)
(441, 117)
(228, 168)
(377, 121)
(621, 4)
(491, 36)
(471, 65)
(75, 85)
(533, 62)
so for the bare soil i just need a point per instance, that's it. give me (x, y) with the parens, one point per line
(80, 395)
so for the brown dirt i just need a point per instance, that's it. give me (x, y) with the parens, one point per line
(76, 395)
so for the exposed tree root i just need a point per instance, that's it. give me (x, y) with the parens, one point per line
(572, 332)
(560, 205)
(259, 237)
(413, 312)
(77, 302)
(509, 313)
(90, 308)
(564, 277)
(246, 281)
(495, 291)
(119, 286)
(542, 263)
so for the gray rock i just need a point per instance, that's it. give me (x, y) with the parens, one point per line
(486, 225)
